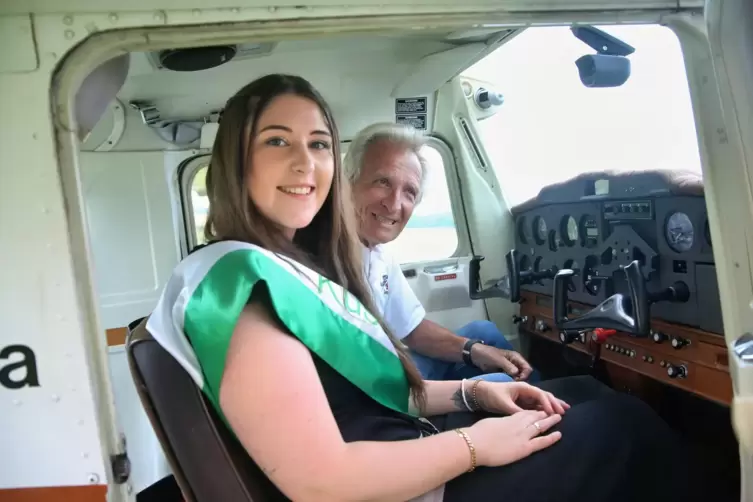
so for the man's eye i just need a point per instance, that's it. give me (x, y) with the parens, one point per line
(383, 182)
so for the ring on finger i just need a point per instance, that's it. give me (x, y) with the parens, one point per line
(538, 427)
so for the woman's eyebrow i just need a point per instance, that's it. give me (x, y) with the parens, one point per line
(276, 127)
(288, 129)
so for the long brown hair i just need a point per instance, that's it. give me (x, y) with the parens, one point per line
(329, 244)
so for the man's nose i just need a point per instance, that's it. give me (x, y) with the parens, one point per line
(393, 201)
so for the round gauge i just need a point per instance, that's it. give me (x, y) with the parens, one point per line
(679, 232)
(569, 230)
(523, 232)
(539, 230)
(554, 243)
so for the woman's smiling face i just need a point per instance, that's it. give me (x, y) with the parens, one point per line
(291, 163)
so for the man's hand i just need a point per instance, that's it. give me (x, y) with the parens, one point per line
(490, 359)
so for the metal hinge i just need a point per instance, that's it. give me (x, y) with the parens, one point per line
(743, 348)
(121, 464)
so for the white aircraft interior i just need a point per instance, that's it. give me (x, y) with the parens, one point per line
(555, 243)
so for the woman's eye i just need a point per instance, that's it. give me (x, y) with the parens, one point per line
(276, 142)
(320, 145)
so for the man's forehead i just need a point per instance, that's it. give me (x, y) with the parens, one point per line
(390, 159)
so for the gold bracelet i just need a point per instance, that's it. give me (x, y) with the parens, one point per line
(463, 435)
(473, 395)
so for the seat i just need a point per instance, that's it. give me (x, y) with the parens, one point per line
(208, 463)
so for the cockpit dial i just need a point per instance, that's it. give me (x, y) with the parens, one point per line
(569, 230)
(539, 230)
(679, 232)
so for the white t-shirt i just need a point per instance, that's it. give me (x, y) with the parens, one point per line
(393, 296)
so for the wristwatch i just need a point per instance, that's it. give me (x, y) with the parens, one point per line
(467, 351)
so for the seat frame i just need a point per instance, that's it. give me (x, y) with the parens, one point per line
(208, 462)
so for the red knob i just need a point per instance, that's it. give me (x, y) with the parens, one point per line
(601, 334)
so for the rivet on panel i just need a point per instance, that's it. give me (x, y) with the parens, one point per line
(159, 16)
(69, 34)
(16, 402)
(46, 210)
(55, 398)
(92, 28)
(68, 20)
(80, 422)
(84, 455)
(113, 17)
(236, 10)
(196, 12)
(273, 9)
(93, 478)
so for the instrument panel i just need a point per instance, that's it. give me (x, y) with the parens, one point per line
(598, 223)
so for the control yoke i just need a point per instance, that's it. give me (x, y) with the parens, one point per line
(520, 277)
(499, 290)
(629, 314)
(509, 286)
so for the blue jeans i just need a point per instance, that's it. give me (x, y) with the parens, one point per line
(486, 331)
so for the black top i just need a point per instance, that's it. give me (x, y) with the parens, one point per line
(359, 417)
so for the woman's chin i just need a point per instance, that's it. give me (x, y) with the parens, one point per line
(295, 224)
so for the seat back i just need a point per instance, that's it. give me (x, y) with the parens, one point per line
(208, 463)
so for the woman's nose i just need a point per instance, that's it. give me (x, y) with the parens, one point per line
(303, 160)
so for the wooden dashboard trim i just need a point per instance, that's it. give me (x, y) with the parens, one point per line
(705, 356)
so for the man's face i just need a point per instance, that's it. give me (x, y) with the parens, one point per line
(386, 192)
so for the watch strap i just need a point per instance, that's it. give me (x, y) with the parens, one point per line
(467, 351)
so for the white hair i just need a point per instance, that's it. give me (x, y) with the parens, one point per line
(408, 136)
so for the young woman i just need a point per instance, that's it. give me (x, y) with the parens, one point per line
(274, 322)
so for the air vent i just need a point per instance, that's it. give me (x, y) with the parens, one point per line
(196, 58)
(203, 58)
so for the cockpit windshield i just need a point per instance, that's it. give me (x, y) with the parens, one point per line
(551, 127)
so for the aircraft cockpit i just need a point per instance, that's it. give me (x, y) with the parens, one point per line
(615, 276)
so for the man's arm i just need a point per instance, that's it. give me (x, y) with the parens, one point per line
(432, 340)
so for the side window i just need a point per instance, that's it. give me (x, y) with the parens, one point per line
(197, 207)
(431, 233)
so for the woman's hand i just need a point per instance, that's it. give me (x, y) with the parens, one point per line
(504, 440)
(514, 397)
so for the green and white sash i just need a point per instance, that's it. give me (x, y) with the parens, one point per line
(197, 313)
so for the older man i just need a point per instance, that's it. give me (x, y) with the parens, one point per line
(387, 172)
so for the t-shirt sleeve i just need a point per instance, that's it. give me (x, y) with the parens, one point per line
(403, 312)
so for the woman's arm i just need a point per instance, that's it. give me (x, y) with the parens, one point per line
(496, 397)
(272, 397)
(447, 397)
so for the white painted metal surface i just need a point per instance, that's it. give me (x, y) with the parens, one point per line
(62, 431)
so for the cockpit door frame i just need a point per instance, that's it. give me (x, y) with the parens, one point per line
(720, 74)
